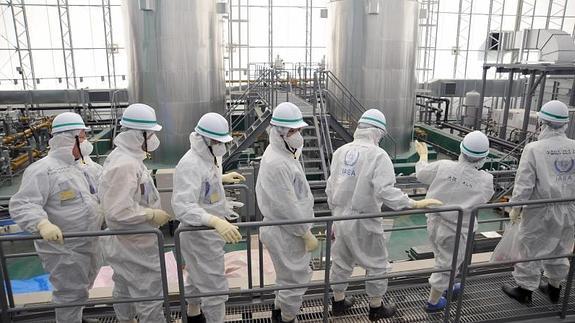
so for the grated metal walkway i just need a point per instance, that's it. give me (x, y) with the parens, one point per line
(483, 302)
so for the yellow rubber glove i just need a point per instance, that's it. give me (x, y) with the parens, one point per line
(515, 215)
(421, 149)
(310, 241)
(228, 231)
(49, 231)
(233, 178)
(425, 203)
(157, 217)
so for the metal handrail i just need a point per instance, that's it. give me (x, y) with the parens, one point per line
(5, 285)
(327, 283)
(259, 80)
(469, 250)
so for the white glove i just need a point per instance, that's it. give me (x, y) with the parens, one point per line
(157, 217)
(228, 231)
(515, 215)
(233, 215)
(49, 231)
(310, 242)
(421, 149)
(425, 203)
(233, 178)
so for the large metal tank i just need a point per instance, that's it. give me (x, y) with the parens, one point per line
(372, 50)
(176, 66)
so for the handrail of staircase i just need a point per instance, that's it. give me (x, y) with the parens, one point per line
(250, 109)
(355, 102)
(323, 115)
(259, 80)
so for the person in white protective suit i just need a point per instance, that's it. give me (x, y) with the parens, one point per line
(54, 198)
(199, 200)
(130, 201)
(455, 183)
(546, 171)
(283, 193)
(361, 180)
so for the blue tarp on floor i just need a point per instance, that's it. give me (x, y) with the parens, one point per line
(36, 284)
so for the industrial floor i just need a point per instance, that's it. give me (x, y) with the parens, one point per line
(483, 302)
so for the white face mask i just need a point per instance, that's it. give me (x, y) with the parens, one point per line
(219, 149)
(295, 141)
(153, 143)
(86, 148)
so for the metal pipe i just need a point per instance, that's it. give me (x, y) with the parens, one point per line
(527, 107)
(27, 133)
(503, 130)
(22, 159)
(541, 91)
(479, 111)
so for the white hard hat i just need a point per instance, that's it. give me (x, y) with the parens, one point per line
(475, 144)
(214, 126)
(67, 121)
(554, 111)
(140, 116)
(287, 115)
(375, 118)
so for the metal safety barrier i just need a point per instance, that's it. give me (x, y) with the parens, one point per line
(469, 251)
(328, 220)
(8, 308)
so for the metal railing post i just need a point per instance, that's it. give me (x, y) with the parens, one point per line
(466, 262)
(453, 273)
(164, 275)
(181, 285)
(6, 277)
(326, 278)
(568, 287)
(5, 316)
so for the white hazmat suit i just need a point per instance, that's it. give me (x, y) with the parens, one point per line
(455, 183)
(362, 179)
(126, 190)
(54, 188)
(198, 195)
(283, 193)
(546, 171)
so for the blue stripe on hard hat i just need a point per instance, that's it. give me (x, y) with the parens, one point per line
(287, 120)
(219, 134)
(562, 118)
(477, 153)
(374, 120)
(139, 120)
(69, 124)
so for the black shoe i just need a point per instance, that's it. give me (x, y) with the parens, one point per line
(384, 311)
(197, 318)
(551, 291)
(340, 307)
(518, 293)
(276, 315)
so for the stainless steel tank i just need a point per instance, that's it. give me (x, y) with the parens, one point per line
(372, 50)
(175, 65)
